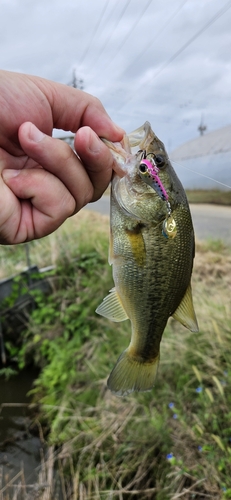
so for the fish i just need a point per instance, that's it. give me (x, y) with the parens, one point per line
(152, 248)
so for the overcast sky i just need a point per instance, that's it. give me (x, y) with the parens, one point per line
(165, 61)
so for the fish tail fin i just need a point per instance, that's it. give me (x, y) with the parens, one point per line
(132, 374)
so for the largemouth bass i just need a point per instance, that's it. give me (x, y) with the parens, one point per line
(151, 251)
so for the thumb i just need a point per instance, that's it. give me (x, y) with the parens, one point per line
(43, 203)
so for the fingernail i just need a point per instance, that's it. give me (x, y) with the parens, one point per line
(8, 173)
(120, 130)
(35, 134)
(94, 144)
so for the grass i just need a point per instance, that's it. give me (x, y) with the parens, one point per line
(173, 442)
(214, 196)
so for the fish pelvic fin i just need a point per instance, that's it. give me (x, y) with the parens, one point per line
(185, 313)
(112, 308)
(131, 374)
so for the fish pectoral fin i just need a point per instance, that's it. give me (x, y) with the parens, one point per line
(132, 374)
(137, 244)
(112, 308)
(185, 313)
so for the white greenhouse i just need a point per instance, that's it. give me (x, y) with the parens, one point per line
(208, 157)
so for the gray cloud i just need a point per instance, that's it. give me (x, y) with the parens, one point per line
(124, 52)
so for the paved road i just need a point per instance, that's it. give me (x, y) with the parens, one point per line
(210, 221)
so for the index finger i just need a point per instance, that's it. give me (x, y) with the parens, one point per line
(72, 108)
(86, 180)
(97, 159)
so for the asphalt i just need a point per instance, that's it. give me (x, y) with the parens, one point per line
(210, 221)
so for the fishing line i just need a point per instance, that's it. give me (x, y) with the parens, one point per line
(199, 173)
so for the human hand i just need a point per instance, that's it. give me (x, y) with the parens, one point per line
(42, 180)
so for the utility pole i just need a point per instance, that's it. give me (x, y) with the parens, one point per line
(202, 128)
(76, 82)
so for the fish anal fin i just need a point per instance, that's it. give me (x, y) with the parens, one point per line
(112, 308)
(185, 313)
(132, 374)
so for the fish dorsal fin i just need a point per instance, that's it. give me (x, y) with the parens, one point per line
(112, 308)
(185, 313)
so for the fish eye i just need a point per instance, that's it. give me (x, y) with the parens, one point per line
(160, 161)
(142, 168)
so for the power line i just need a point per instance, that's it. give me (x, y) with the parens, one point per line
(104, 29)
(111, 14)
(150, 42)
(137, 20)
(112, 32)
(183, 47)
(105, 6)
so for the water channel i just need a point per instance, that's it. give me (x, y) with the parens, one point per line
(20, 446)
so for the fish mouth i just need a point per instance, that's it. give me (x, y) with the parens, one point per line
(117, 170)
(122, 156)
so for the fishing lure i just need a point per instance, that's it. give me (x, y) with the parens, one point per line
(169, 228)
(148, 171)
